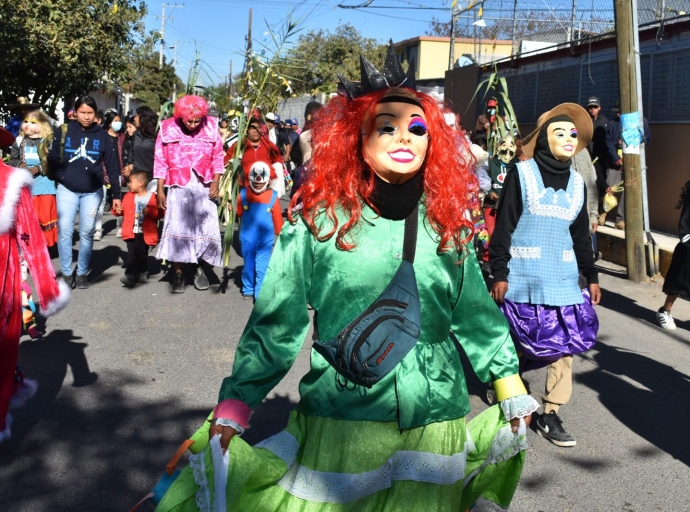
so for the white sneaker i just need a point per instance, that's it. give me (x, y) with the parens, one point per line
(665, 320)
(98, 235)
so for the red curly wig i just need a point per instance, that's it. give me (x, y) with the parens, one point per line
(340, 177)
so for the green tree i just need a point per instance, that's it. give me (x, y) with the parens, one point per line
(150, 83)
(59, 48)
(320, 55)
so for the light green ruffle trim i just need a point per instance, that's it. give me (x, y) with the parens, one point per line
(322, 464)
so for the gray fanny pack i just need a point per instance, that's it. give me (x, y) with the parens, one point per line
(371, 346)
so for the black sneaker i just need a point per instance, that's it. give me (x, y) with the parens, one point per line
(550, 426)
(178, 283)
(143, 277)
(82, 282)
(69, 281)
(129, 280)
(200, 279)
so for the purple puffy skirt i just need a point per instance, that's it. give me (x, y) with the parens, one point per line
(544, 334)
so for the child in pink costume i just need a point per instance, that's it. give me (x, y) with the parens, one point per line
(20, 231)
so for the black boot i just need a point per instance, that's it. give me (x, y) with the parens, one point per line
(178, 283)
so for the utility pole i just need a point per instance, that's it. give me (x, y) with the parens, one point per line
(572, 26)
(513, 49)
(174, 47)
(627, 76)
(163, 19)
(249, 43)
(652, 246)
(230, 80)
(451, 57)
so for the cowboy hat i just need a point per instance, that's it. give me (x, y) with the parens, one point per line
(23, 102)
(6, 138)
(576, 113)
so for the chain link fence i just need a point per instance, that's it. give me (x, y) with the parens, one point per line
(534, 25)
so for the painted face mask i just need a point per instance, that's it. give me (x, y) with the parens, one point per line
(562, 137)
(31, 128)
(396, 140)
(506, 149)
(259, 177)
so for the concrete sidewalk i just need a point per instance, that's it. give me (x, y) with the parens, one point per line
(611, 244)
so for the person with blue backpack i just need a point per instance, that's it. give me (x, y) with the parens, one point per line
(259, 208)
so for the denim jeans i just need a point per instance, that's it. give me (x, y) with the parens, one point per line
(68, 203)
(101, 209)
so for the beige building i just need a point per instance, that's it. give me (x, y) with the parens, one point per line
(430, 54)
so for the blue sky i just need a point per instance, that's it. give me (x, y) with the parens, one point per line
(219, 26)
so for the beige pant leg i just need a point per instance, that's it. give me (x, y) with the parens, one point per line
(559, 384)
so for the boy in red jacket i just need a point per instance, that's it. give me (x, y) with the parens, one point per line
(139, 228)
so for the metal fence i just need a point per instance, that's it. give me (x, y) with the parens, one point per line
(540, 84)
(533, 25)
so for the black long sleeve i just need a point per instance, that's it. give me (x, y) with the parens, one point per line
(143, 149)
(613, 135)
(112, 167)
(507, 217)
(582, 245)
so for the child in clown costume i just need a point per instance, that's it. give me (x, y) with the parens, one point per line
(259, 207)
(20, 233)
(382, 158)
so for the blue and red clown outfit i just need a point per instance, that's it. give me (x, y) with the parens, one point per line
(259, 208)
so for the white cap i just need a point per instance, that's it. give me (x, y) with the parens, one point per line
(271, 116)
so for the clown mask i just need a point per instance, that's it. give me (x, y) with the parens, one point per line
(506, 149)
(395, 140)
(259, 177)
(562, 137)
(31, 128)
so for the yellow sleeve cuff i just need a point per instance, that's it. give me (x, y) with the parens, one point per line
(508, 387)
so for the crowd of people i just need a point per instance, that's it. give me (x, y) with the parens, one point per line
(399, 222)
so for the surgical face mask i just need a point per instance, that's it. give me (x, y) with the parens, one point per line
(116, 126)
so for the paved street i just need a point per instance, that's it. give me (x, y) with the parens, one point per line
(126, 375)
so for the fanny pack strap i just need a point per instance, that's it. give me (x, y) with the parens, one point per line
(410, 240)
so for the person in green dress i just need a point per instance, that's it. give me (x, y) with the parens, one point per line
(380, 154)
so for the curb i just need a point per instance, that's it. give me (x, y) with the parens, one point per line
(611, 244)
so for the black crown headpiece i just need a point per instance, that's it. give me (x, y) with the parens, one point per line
(373, 80)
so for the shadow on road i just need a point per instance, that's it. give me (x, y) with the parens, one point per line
(629, 307)
(96, 448)
(104, 258)
(644, 395)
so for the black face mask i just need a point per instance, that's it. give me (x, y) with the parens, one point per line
(543, 155)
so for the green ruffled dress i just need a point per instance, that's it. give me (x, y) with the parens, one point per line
(401, 445)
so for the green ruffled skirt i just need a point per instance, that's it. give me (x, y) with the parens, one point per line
(323, 464)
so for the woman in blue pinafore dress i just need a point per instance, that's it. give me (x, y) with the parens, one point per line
(540, 247)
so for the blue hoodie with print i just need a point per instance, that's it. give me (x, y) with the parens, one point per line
(86, 152)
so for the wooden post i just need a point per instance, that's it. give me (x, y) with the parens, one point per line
(627, 76)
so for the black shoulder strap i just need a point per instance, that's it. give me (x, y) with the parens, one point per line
(410, 240)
